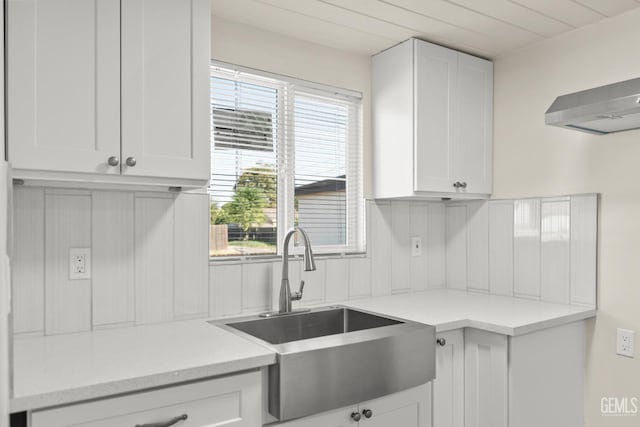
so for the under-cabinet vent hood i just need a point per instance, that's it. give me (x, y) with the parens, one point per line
(601, 110)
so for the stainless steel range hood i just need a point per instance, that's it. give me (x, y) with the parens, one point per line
(601, 110)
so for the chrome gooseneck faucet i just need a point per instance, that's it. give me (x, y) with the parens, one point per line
(286, 296)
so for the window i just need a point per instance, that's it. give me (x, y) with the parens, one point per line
(284, 153)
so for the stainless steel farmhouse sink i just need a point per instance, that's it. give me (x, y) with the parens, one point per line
(336, 356)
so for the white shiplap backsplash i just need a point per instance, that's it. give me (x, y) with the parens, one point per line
(541, 248)
(150, 257)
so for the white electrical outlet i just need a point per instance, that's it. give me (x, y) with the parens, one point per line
(79, 263)
(625, 343)
(416, 246)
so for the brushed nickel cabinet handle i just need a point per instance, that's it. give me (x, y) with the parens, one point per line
(441, 342)
(131, 161)
(355, 416)
(368, 413)
(169, 423)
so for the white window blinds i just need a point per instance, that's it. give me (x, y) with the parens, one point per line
(283, 154)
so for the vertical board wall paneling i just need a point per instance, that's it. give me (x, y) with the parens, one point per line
(360, 277)
(154, 250)
(191, 255)
(556, 250)
(225, 290)
(478, 238)
(256, 286)
(28, 261)
(526, 248)
(400, 247)
(418, 264)
(380, 240)
(435, 245)
(67, 225)
(584, 234)
(113, 275)
(456, 243)
(501, 247)
(336, 286)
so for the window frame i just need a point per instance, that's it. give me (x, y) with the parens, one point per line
(287, 88)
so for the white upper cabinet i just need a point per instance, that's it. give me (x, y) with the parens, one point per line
(473, 127)
(435, 90)
(432, 123)
(109, 91)
(63, 71)
(165, 87)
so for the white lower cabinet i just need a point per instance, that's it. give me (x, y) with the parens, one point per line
(233, 401)
(485, 379)
(338, 418)
(408, 408)
(448, 387)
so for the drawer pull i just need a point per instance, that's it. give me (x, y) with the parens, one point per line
(166, 423)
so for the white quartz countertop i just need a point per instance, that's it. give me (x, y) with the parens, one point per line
(62, 369)
(451, 309)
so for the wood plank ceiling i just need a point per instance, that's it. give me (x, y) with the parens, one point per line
(487, 28)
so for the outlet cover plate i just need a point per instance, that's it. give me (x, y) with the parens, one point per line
(416, 246)
(79, 263)
(626, 342)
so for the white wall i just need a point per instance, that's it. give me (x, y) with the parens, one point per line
(533, 159)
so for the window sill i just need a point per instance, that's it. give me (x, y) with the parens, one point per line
(250, 259)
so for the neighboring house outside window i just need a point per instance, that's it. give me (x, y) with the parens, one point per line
(284, 153)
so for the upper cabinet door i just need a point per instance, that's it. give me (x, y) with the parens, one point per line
(63, 97)
(435, 94)
(473, 130)
(165, 88)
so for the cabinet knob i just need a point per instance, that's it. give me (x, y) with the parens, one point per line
(355, 416)
(441, 342)
(131, 161)
(113, 161)
(368, 413)
(463, 185)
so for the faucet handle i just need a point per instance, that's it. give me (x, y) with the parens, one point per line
(297, 296)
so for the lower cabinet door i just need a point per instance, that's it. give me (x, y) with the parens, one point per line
(339, 418)
(233, 401)
(409, 408)
(486, 379)
(448, 387)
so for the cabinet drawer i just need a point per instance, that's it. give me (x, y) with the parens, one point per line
(233, 401)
